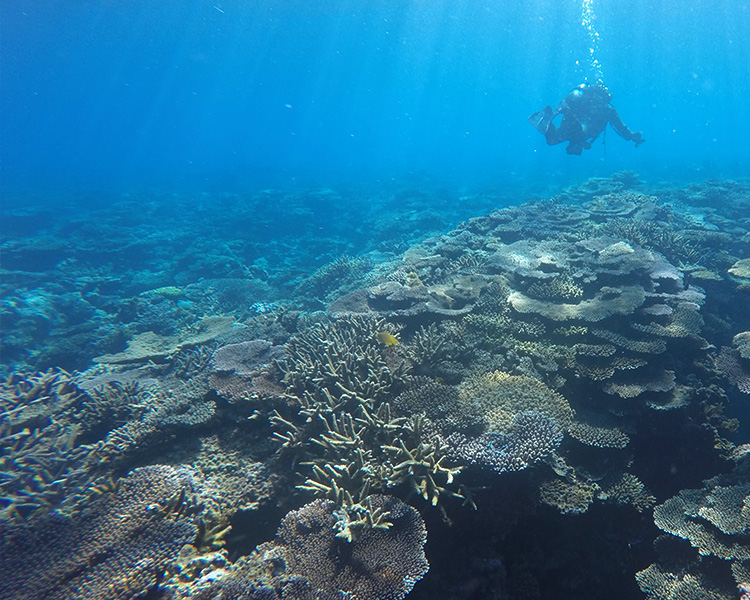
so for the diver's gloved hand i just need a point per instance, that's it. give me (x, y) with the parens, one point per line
(638, 138)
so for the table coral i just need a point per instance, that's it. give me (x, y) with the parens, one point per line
(601, 437)
(741, 269)
(730, 364)
(382, 564)
(148, 345)
(741, 342)
(246, 358)
(715, 521)
(608, 301)
(660, 584)
(568, 497)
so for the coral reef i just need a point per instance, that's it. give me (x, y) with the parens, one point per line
(332, 280)
(499, 397)
(152, 346)
(246, 358)
(581, 355)
(62, 434)
(741, 342)
(344, 360)
(730, 364)
(741, 269)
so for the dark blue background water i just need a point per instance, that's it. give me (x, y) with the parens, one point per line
(226, 93)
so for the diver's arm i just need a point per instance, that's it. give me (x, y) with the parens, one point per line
(622, 130)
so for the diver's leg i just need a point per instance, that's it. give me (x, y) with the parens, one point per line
(555, 135)
(570, 130)
(542, 119)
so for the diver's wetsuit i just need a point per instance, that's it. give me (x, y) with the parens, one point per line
(585, 113)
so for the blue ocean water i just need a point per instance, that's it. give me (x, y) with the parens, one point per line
(263, 258)
(221, 94)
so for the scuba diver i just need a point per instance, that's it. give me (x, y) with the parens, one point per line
(585, 113)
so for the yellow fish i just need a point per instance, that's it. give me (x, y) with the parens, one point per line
(386, 338)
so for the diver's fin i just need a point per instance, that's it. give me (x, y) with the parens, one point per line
(541, 119)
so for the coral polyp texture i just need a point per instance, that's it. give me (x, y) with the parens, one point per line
(573, 368)
(500, 396)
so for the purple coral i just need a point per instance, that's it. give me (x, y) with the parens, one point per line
(534, 437)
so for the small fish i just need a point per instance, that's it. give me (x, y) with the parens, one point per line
(386, 338)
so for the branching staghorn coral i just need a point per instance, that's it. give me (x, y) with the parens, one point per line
(345, 358)
(58, 440)
(422, 466)
(347, 442)
(39, 466)
(25, 398)
(370, 451)
(430, 345)
(39, 454)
